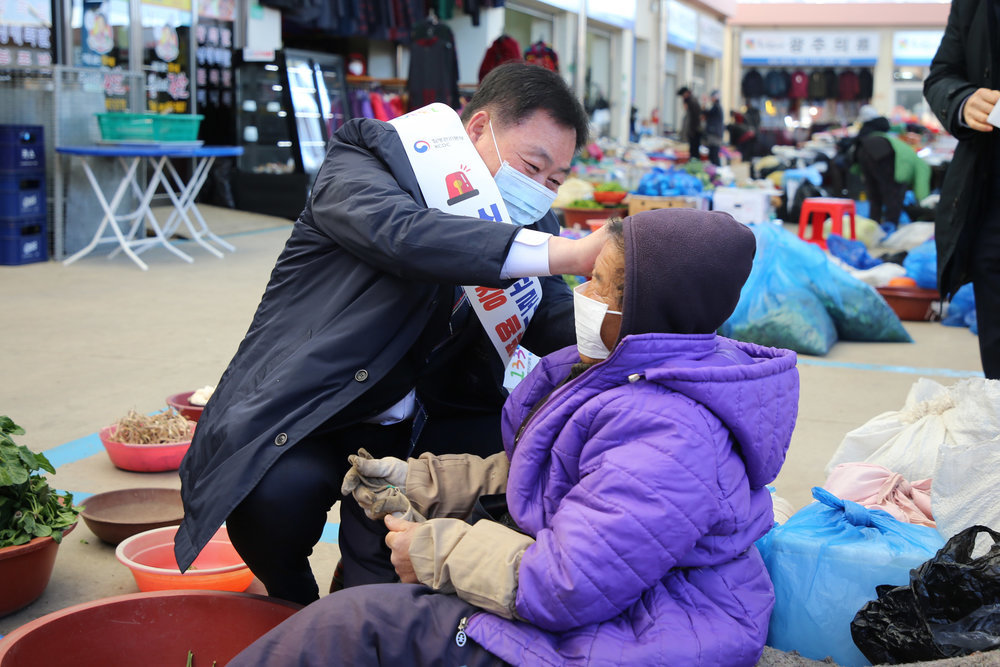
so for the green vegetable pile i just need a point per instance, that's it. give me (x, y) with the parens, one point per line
(29, 508)
(584, 203)
(610, 186)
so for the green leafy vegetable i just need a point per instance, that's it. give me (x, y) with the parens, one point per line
(584, 203)
(610, 186)
(29, 508)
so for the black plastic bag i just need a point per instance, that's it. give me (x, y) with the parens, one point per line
(950, 608)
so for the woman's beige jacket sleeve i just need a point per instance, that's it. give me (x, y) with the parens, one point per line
(477, 562)
(449, 485)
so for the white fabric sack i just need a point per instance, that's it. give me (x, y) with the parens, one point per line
(904, 441)
(907, 237)
(879, 276)
(966, 487)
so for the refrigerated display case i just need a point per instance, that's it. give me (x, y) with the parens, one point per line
(286, 113)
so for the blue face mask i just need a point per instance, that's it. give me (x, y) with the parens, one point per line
(527, 200)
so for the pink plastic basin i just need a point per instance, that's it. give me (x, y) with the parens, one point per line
(150, 557)
(143, 458)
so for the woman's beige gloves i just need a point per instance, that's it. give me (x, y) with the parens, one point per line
(379, 486)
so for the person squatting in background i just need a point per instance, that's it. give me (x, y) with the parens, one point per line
(617, 527)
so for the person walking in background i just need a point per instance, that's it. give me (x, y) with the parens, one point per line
(962, 89)
(714, 128)
(691, 125)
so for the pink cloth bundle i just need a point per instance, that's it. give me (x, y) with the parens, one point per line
(876, 487)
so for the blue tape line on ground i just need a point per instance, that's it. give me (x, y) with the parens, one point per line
(330, 533)
(74, 450)
(909, 370)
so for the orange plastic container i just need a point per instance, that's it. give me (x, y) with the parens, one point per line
(911, 303)
(143, 458)
(144, 629)
(150, 557)
(179, 402)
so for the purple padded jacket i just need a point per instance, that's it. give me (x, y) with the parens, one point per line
(643, 483)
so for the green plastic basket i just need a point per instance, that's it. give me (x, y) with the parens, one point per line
(149, 126)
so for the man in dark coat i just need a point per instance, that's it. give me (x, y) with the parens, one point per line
(714, 128)
(363, 339)
(962, 89)
(691, 125)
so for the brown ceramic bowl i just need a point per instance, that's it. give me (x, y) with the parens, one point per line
(911, 303)
(117, 515)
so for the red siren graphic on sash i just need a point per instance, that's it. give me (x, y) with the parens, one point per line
(459, 187)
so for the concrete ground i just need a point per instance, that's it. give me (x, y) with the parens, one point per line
(82, 344)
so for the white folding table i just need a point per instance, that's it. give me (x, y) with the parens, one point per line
(125, 226)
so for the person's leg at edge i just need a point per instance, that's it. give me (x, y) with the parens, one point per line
(277, 525)
(385, 624)
(986, 287)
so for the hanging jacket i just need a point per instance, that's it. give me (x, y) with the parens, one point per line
(752, 85)
(830, 83)
(799, 88)
(542, 54)
(865, 84)
(817, 85)
(776, 84)
(848, 86)
(433, 75)
(504, 49)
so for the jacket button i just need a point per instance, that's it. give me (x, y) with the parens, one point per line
(280, 439)
(634, 377)
(361, 375)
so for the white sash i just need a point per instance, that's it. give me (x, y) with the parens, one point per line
(453, 178)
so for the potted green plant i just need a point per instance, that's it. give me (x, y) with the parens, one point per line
(33, 520)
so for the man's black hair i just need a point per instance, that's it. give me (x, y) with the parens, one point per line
(683, 90)
(513, 91)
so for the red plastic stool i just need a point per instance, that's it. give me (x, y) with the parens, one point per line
(825, 206)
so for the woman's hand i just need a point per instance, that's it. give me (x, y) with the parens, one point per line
(978, 107)
(398, 540)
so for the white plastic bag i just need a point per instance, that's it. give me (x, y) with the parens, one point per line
(966, 488)
(904, 441)
(950, 434)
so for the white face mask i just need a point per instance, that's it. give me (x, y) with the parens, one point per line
(589, 314)
(526, 199)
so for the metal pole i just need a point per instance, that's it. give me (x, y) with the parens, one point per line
(580, 80)
(661, 64)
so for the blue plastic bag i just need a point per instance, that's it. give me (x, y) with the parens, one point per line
(921, 264)
(669, 183)
(962, 309)
(825, 563)
(850, 251)
(797, 298)
(776, 308)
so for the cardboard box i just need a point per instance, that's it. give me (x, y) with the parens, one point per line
(638, 203)
(744, 204)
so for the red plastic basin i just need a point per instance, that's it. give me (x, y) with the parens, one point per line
(150, 557)
(143, 458)
(179, 402)
(145, 629)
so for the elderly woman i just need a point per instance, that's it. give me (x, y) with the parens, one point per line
(634, 478)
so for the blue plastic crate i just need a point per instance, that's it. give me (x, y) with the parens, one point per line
(22, 147)
(23, 242)
(22, 194)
